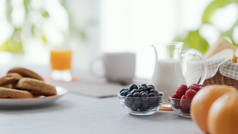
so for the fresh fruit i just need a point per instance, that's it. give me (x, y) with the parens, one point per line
(133, 86)
(202, 102)
(185, 95)
(196, 87)
(186, 100)
(185, 104)
(150, 86)
(190, 93)
(223, 115)
(124, 92)
(141, 97)
(180, 92)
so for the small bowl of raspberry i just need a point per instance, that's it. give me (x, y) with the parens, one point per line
(182, 98)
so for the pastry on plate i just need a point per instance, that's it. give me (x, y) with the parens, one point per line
(10, 80)
(25, 73)
(36, 87)
(7, 80)
(14, 75)
(14, 93)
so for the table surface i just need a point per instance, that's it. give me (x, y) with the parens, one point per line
(75, 113)
(85, 115)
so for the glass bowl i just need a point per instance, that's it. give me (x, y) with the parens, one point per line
(183, 112)
(141, 105)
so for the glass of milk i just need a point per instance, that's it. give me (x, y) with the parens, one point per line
(171, 66)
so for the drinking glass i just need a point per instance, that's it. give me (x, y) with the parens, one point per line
(60, 61)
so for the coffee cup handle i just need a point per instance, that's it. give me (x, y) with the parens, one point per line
(196, 53)
(92, 67)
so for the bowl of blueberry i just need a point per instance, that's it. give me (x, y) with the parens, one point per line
(182, 98)
(141, 99)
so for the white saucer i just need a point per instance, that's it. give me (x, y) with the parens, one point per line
(34, 101)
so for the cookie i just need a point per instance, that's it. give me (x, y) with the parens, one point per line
(10, 80)
(36, 87)
(14, 75)
(25, 73)
(14, 93)
(7, 80)
(8, 86)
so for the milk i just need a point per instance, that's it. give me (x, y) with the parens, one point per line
(168, 76)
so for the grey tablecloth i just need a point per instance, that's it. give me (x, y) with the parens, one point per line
(79, 114)
(75, 114)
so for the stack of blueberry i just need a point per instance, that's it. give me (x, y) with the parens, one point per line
(141, 97)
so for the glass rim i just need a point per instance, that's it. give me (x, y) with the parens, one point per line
(138, 97)
(173, 43)
(170, 98)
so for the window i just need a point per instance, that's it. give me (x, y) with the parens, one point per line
(133, 25)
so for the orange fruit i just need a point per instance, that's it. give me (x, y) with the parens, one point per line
(223, 115)
(203, 100)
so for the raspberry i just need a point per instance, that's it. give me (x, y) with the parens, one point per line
(176, 96)
(186, 100)
(185, 104)
(196, 87)
(181, 91)
(190, 93)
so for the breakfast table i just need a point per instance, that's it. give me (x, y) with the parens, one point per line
(77, 113)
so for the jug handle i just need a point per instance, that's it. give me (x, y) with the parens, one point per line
(202, 57)
(156, 54)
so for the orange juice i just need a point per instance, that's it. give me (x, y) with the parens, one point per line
(60, 59)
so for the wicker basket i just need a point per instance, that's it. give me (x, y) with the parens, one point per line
(219, 79)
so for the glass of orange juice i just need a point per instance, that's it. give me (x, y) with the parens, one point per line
(60, 61)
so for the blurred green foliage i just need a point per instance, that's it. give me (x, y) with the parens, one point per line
(15, 44)
(193, 38)
(72, 26)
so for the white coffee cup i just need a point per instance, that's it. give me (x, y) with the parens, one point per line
(118, 66)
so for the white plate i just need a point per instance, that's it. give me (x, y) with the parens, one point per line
(34, 101)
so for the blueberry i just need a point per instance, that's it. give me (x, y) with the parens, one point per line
(124, 93)
(152, 102)
(155, 92)
(141, 97)
(133, 86)
(155, 104)
(143, 86)
(150, 86)
(146, 91)
(137, 103)
(129, 101)
(159, 99)
(124, 89)
(160, 94)
(151, 95)
(133, 91)
(129, 95)
(133, 107)
(144, 95)
(145, 105)
(136, 94)
(140, 89)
